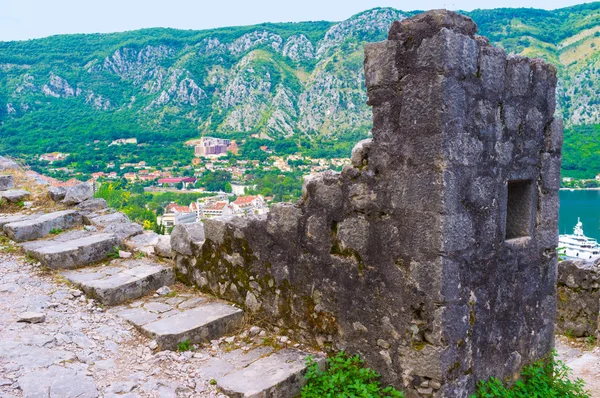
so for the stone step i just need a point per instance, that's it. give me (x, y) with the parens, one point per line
(171, 321)
(122, 280)
(280, 374)
(7, 219)
(56, 239)
(39, 227)
(105, 220)
(75, 253)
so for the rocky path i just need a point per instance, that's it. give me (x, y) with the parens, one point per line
(583, 359)
(80, 349)
(82, 318)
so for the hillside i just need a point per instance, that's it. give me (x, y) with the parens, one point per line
(270, 81)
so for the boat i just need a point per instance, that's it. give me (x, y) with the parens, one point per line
(577, 245)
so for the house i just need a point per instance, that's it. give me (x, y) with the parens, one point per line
(176, 214)
(123, 141)
(249, 205)
(215, 209)
(53, 157)
(186, 181)
(130, 176)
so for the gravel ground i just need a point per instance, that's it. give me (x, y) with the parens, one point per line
(583, 359)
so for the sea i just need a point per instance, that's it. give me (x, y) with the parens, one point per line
(584, 204)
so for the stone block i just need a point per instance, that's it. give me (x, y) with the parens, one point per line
(75, 253)
(6, 182)
(381, 74)
(124, 281)
(492, 70)
(518, 73)
(41, 226)
(554, 136)
(57, 193)
(184, 236)
(449, 53)
(93, 205)
(215, 229)
(163, 247)
(200, 324)
(279, 374)
(124, 230)
(283, 220)
(106, 220)
(360, 153)
(14, 195)
(353, 234)
(78, 193)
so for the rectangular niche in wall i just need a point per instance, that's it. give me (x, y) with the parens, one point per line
(519, 206)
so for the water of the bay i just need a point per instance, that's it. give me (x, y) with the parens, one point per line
(584, 204)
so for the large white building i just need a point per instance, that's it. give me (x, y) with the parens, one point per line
(209, 146)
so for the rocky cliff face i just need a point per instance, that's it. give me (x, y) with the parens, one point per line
(273, 80)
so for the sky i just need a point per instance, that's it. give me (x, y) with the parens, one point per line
(28, 19)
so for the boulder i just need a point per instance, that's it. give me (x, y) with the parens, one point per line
(78, 193)
(32, 317)
(93, 204)
(109, 219)
(6, 182)
(184, 235)
(143, 242)
(7, 164)
(57, 193)
(124, 230)
(163, 247)
(15, 195)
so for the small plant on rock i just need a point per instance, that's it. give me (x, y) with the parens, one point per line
(345, 377)
(185, 345)
(114, 252)
(139, 255)
(591, 340)
(56, 231)
(547, 378)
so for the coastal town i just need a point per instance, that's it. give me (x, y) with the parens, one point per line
(227, 183)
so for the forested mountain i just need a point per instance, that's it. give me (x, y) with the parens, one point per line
(295, 82)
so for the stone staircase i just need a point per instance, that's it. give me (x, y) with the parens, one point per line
(82, 243)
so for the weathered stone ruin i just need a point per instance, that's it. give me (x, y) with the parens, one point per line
(578, 288)
(433, 254)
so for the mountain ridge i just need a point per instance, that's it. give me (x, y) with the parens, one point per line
(300, 80)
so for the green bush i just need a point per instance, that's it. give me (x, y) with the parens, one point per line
(544, 379)
(345, 377)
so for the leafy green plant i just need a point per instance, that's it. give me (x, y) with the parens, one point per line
(56, 231)
(114, 252)
(139, 255)
(591, 340)
(21, 204)
(185, 345)
(548, 378)
(346, 376)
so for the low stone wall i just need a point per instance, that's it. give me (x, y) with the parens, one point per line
(578, 289)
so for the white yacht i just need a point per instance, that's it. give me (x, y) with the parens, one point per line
(577, 245)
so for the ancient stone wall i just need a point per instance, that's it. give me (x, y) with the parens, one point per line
(578, 289)
(432, 255)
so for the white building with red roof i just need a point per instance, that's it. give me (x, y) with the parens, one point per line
(249, 205)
